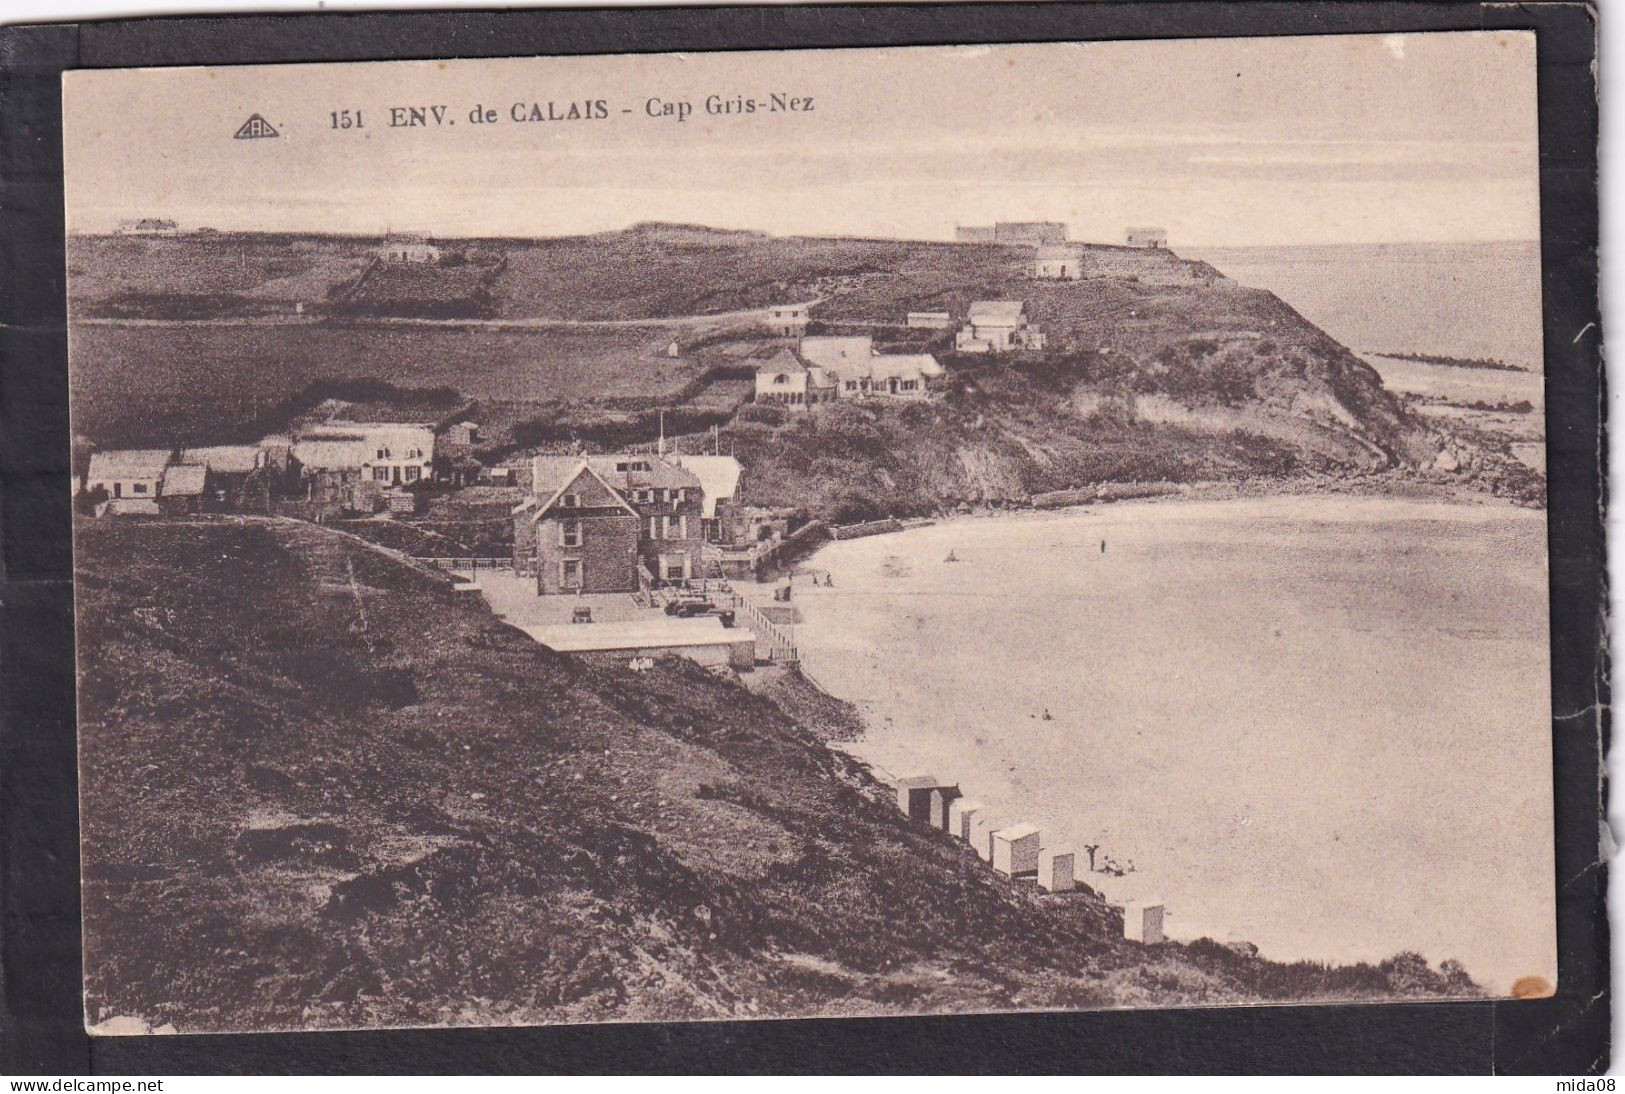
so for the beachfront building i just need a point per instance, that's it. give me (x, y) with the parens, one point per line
(572, 530)
(1058, 263)
(722, 512)
(1153, 238)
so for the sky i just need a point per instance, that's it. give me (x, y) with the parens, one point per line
(1224, 142)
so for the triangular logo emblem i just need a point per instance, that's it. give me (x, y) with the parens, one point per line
(256, 127)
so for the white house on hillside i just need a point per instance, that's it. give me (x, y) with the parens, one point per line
(409, 249)
(996, 326)
(129, 477)
(1058, 263)
(788, 320)
(893, 375)
(784, 378)
(387, 453)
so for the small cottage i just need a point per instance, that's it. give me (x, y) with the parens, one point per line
(891, 375)
(385, 453)
(787, 320)
(226, 460)
(130, 478)
(181, 489)
(409, 249)
(996, 326)
(1153, 238)
(1058, 263)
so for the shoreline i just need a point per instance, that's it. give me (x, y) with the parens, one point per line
(867, 719)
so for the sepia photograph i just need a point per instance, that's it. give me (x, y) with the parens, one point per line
(810, 533)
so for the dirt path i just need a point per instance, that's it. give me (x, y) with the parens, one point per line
(743, 315)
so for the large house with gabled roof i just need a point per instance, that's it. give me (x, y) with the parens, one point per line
(609, 523)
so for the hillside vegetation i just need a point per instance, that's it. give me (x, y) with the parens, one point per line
(1156, 367)
(321, 791)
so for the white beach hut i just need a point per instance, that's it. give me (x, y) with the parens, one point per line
(1015, 850)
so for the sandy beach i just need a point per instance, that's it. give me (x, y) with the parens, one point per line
(1317, 723)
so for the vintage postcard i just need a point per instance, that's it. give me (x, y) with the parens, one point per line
(821, 533)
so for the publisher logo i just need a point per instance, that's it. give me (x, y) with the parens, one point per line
(255, 128)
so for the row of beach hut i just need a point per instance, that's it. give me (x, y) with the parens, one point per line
(1015, 850)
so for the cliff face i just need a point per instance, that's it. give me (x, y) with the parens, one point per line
(320, 791)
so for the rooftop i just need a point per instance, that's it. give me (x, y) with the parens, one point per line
(996, 311)
(128, 463)
(664, 633)
(183, 480)
(224, 459)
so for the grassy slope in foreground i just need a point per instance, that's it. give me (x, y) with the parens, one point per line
(320, 792)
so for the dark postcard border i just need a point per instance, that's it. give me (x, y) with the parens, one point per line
(39, 897)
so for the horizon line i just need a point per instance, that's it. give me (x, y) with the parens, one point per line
(857, 236)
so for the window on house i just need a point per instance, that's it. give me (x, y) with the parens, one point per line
(571, 501)
(654, 527)
(412, 473)
(781, 378)
(570, 533)
(623, 466)
(380, 474)
(139, 487)
(383, 453)
(851, 385)
(570, 573)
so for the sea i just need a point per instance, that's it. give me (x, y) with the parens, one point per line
(1454, 299)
